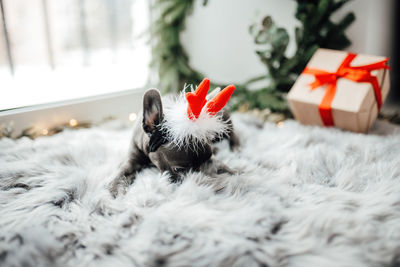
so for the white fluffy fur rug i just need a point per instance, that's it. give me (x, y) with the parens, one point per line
(307, 196)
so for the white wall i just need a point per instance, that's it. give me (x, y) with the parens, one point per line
(219, 44)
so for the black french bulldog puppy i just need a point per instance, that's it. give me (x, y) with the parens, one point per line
(151, 146)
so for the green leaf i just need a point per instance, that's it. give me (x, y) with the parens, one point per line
(337, 5)
(346, 21)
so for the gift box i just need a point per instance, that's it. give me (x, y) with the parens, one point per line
(340, 89)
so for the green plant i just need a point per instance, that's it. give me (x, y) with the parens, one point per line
(316, 30)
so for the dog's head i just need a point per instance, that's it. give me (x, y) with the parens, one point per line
(181, 133)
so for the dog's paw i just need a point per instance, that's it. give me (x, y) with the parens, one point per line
(119, 186)
(174, 178)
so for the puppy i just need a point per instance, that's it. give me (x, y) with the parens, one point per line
(179, 137)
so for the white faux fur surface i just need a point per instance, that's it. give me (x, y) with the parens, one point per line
(306, 196)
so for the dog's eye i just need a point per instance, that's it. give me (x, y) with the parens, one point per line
(178, 169)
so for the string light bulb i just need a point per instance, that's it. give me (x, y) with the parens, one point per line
(280, 124)
(73, 122)
(132, 116)
(45, 132)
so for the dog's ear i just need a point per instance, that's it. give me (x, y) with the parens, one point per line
(152, 110)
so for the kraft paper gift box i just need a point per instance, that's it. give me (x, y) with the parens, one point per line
(336, 89)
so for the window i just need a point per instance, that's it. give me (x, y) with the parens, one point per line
(53, 51)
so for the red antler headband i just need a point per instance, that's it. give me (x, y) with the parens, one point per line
(197, 100)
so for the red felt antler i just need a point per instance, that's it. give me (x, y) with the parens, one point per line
(219, 101)
(197, 100)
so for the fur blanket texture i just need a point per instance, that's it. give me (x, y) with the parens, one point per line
(303, 196)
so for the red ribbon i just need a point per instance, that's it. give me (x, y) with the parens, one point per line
(357, 74)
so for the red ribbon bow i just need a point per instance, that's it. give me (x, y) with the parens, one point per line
(357, 74)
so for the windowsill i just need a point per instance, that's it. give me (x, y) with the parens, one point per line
(118, 105)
